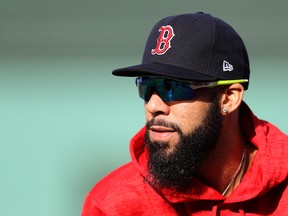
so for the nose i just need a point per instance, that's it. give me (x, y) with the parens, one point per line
(156, 106)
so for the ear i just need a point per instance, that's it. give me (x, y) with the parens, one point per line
(231, 98)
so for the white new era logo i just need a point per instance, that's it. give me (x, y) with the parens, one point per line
(227, 66)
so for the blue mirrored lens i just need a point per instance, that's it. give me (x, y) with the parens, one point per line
(167, 89)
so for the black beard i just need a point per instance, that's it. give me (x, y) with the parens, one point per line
(176, 169)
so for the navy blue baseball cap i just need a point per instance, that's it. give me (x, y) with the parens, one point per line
(192, 47)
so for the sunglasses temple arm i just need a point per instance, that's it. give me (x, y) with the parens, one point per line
(217, 83)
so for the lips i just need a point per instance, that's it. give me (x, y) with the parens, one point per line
(161, 129)
(161, 133)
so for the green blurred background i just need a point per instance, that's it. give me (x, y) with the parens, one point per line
(65, 121)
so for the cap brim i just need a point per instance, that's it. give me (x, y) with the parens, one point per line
(158, 69)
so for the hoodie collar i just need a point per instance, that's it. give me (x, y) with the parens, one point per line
(269, 167)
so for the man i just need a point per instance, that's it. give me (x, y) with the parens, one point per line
(202, 151)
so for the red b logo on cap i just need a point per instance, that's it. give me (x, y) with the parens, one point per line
(164, 40)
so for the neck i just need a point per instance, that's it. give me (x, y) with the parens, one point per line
(223, 169)
(239, 173)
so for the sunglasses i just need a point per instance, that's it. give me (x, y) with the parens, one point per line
(174, 90)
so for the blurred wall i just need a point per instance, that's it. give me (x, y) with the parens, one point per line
(65, 121)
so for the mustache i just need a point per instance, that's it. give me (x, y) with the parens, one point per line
(163, 123)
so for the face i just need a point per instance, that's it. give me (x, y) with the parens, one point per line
(179, 136)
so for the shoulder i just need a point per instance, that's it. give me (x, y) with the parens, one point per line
(125, 175)
(125, 179)
(123, 187)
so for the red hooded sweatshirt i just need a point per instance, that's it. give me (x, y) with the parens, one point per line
(263, 190)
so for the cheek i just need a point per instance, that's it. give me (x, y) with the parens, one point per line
(190, 118)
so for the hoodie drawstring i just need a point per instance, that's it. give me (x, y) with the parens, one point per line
(215, 211)
(242, 213)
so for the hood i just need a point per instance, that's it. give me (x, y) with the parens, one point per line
(269, 167)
